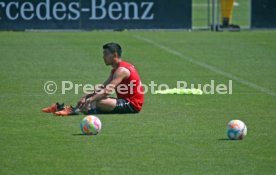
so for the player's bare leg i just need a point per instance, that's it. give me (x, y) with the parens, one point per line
(106, 105)
(103, 105)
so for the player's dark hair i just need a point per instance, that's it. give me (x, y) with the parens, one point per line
(113, 48)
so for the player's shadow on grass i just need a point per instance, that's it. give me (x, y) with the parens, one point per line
(116, 114)
(227, 139)
(80, 134)
(224, 139)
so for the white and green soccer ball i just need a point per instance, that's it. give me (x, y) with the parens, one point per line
(236, 130)
(91, 125)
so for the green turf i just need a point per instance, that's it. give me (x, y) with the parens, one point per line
(172, 135)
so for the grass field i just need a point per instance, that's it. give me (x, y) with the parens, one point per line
(172, 135)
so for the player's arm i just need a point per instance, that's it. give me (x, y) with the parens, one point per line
(119, 75)
(109, 79)
(98, 88)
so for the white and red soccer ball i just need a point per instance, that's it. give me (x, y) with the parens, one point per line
(91, 125)
(236, 130)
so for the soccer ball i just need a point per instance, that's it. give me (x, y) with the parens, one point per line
(236, 130)
(91, 125)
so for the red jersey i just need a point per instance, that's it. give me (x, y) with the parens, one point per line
(131, 88)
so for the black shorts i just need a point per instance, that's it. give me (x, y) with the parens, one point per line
(122, 107)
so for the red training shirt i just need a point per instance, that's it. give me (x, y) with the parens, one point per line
(131, 88)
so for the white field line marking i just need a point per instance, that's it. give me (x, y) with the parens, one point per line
(208, 67)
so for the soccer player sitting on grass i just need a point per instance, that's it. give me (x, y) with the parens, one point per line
(124, 79)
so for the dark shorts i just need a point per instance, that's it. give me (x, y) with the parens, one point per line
(122, 107)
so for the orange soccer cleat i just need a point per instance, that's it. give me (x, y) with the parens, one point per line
(68, 110)
(53, 108)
